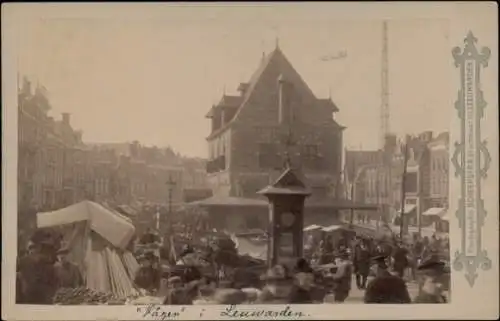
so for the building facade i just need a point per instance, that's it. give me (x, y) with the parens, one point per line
(274, 115)
(440, 160)
(43, 147)
(372, 177)
(379, 179)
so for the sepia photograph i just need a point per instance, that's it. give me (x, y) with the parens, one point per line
(249, 155)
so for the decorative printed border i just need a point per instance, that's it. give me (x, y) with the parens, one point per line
(471, 159)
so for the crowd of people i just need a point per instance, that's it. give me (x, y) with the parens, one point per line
(43, 269)
(380, 268)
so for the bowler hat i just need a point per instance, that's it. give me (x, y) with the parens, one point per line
(379, 259)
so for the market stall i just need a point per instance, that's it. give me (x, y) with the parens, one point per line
(97, 239)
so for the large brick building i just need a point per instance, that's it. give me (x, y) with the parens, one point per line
(137, 174)
(275, 119)
(45, 146)
(247, 143)
(378, 179)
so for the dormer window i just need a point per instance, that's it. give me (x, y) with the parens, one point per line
(242, 88)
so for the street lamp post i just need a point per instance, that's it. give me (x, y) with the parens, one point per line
(403, 189)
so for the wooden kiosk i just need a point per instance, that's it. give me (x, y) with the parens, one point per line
(286, 218)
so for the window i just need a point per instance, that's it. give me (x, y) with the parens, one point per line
(411, 182)
(311, 151)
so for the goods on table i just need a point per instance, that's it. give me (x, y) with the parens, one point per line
(145, 300)
(82, 295)
(229, 296)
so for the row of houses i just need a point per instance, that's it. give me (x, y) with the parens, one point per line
(56, 168)
(375, 177)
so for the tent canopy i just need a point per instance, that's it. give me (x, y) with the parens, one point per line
(127, 210)
(109, 224)
(312, 227)
(332, 228)
(445, 215)
(409, 208)
(439, 211)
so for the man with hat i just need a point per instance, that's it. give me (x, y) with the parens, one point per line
(37, 275)
(302, 266)
(278, 287)
(400, 257)
(302, 290)
(148, 276)
(68, 273)
(361, 264)
(342, 277)
(385, 287)
(176, 294)
(435, 281)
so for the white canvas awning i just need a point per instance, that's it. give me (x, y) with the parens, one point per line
(434, 211)
(72, 214)
(409, 208)
(112, 226)
(445, 215)
(312, 227)
(332, 228)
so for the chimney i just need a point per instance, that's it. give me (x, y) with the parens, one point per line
(285, 112)
(66, 118)
(78, 136)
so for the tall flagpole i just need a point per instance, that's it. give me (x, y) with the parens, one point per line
(403, 190)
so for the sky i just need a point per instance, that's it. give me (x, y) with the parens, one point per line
(153, 79)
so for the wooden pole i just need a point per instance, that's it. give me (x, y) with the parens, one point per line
(351, 218)
(403, 190)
